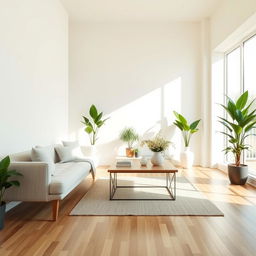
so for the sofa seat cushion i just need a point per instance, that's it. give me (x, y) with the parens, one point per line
(68, 175)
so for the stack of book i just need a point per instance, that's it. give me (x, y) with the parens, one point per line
(123, 164)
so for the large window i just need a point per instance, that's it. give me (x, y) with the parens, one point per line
(233, 74)
(240, 76)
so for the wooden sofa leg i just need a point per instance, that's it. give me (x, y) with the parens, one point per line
(93, 176)
(55, 209)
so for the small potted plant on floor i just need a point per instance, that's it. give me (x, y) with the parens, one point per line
(130, 136)
(186, 157)
(5, 183)
(241, 120)
(157, 145)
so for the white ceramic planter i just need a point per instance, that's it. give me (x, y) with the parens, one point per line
(157, 158)
(187, 158)
(92, 153)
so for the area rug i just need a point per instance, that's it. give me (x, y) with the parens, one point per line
(189, 201)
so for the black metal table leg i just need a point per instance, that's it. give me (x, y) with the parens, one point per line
(170, 187)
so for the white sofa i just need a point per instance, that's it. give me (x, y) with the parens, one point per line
(37, 184)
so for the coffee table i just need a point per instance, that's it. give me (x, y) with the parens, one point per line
(167, 168)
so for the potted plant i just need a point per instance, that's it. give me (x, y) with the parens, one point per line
(92, 125)
(5, 183)
(129, 135)
(186, 157)
(136, 152)
(157, 145)
(240, 121)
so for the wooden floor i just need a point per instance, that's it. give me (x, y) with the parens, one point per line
(29, 231)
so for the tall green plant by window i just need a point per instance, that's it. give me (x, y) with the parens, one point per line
(93, 123)
(186, 129)
(238, 127)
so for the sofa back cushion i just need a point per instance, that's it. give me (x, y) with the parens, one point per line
(21, 157)
(26, 155)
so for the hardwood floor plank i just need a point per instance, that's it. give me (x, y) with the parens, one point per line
(28, 230)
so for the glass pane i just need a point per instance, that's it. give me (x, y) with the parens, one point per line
(233, 81)
(233, 74)
(250, 85)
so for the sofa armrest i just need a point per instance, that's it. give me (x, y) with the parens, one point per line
(34, 184)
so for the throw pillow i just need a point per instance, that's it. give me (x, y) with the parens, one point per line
(76, 148)
(51, 148)
(44, 154)
(65, 153)
(73, 144)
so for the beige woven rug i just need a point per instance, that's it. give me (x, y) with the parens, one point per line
(189, 201)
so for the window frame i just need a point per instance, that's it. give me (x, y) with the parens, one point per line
(240, 45)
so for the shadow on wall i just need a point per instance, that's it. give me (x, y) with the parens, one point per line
(148, 114)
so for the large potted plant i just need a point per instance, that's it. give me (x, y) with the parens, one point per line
(187, 130)
(130, 136)
(157, 145)
(92, 125)
(5, 183)
(241, 119)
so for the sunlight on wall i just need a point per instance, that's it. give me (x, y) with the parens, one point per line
(172, 100)
(148, 114)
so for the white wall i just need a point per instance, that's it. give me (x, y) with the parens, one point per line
(228, 17)
(137, 73)
(33, 73)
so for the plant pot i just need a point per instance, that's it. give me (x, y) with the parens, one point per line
(238, 175)
(129, 152)
(157, 158)
(187, 158)
(92, 151)
(2, 215)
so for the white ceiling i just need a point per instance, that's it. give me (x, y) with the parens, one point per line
(140, 10)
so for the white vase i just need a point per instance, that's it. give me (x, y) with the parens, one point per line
(92, 151)
(187, 158)
(157, 158)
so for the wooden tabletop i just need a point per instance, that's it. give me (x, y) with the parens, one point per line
(136, 167)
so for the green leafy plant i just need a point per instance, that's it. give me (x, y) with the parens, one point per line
(130, 136)
(93, 123)
(5, 175)
(157, 144)
(239, 123)
(186, 128)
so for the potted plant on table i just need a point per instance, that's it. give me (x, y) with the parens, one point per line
(157, 145)
(136, 152)
(5, 183)
(92, 125)
(130, 136)
(239, 123)
(186, 157)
